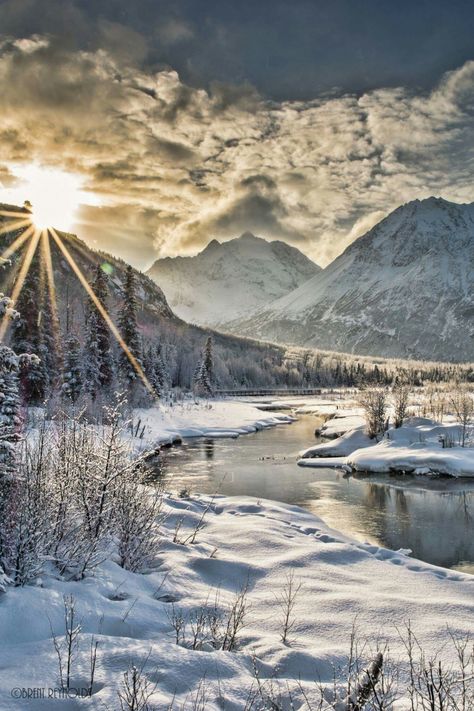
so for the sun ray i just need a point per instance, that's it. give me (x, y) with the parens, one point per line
(9, 213)
(101, 309)
(20, 280)
(16, 244)
(48, 264)
(11, 227)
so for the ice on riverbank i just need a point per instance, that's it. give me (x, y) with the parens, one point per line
(244, 542)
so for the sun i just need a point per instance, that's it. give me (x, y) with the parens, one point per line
(55, 195)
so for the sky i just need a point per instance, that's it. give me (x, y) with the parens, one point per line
(306, 121)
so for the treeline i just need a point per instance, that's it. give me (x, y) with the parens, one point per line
(77, 356)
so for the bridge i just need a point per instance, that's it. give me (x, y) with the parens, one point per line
(263, 392)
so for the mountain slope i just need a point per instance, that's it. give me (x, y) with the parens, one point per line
(404, 289)
(237, 360)
(230, 280)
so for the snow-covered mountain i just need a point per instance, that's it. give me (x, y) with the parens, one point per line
(404, 289)
(231, 279)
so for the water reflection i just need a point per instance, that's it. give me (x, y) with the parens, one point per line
(434, 518)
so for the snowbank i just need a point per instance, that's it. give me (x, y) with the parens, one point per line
(417, 458)
(341, 446)
(243, 542)
(415, 448)
(161, 425)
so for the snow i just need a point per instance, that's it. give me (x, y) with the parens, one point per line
(404, 289)
(232, 279)
(418, 458)
(243, 541)
(165, 424)
(414, 448)
(343, 446)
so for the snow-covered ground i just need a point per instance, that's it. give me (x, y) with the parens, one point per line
(243, 542)
(166, 424)
(415, 448)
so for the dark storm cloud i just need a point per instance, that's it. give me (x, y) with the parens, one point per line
(288, 50)
(175, 164)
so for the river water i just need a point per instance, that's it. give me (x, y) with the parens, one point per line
(432, 517)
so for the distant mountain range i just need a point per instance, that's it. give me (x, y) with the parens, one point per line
(230, 280)
(404, 289)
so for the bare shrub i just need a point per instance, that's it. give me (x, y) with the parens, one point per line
(374, 403)
(287, 602)
(463, 405)
(67, 649)
(76, 500)
(211, 625)
(400, 396)
(136, 690)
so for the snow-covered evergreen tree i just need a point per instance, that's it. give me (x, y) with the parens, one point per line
(98, 334)
(204, 381)
(72, 376)
(129, 327)
(155, 369)
(32, 334)
(10, 420)
(92, 358)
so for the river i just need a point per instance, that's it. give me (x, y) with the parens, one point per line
(432, 517)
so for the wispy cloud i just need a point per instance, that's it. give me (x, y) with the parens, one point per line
(176, 166)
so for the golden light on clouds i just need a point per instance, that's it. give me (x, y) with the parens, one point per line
(55, 195)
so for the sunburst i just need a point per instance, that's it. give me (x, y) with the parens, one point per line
(29, 238)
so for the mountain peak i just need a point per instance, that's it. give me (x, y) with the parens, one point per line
(231, 279)
(249, 236)
(404, 289)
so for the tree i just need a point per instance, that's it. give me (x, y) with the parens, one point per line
(204, 374)
(92, 359)
(10, 419)
(155, 369)
(28, 336)
(463, 406)
(98, 332)
(10, 402)
(129, 327)
(72, 377)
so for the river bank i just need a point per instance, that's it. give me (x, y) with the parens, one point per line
(203, 625)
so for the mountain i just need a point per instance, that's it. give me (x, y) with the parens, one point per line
(238, 361)
(404, 289)
(231, 279)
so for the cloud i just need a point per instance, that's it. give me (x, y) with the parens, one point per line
(175, 166)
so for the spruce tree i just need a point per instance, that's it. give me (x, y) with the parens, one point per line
(155, 369)
(98, 331)
(129, 327)
(72, 376)
(92, 358)
(204, 375)
(10, 420)
(27, 336)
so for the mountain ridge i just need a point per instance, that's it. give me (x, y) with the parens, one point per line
(230, 279)
(403, 289)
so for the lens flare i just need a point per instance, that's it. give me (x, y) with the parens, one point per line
(102, 310)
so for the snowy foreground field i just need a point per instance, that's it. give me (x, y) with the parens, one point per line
(242, 544)
(246, 604)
